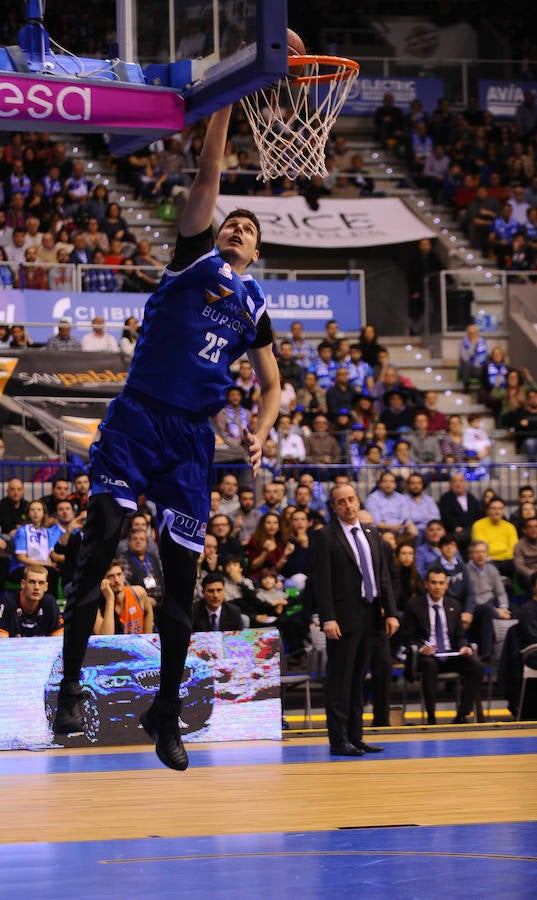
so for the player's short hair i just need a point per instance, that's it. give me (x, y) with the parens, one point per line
(478, 543)
(244, 214)
(233, 559)
(65, 500)
(36, 569)
(211, 578)
(113, 563)
(435, 569)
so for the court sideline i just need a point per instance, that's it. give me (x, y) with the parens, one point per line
(451, 810)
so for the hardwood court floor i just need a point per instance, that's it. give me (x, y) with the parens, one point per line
(252, 787)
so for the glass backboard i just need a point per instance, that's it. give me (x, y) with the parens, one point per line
(236, 46)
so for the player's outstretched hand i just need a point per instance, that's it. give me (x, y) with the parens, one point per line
(251, 443)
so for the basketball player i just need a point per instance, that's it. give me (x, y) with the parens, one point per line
(156, 439)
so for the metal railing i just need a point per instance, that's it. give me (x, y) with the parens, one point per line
(259, 271)
(460, 76)
(504, 478)
(35, 475)
(74, 277)
(456, 297)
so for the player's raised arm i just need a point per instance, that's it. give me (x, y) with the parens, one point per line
(199, 209)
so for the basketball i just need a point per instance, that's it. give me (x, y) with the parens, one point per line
(295, 44)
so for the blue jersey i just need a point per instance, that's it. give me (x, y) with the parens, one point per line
(199, 320)
(505, 231)
(358, 374)
(325, 372)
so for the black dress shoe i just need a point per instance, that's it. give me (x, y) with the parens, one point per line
(345, 750)
(459, 720)
(161, 721)
(368, 748)
(70, 718)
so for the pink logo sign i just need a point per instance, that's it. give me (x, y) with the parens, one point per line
(82, 106)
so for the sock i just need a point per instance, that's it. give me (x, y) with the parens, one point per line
(175, 613)
(102, 531)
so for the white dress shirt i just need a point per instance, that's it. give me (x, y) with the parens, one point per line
(432, 622)
(364, 543)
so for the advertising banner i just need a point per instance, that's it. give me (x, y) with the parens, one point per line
(369, 222)
(313, 303)
(56, 104)
(367, 94)
(501, 98)
(230, 689)
(38, 373)
(423, 41)
(79, 308)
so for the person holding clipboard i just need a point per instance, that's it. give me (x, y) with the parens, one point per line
(433, 623)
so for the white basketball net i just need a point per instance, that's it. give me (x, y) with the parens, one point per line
(292, 120)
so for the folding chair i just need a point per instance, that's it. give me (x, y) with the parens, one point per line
(528, 671)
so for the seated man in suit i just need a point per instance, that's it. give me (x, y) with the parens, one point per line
(433, 622)
(459, 509)
(213, 613)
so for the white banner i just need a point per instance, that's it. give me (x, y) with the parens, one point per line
(425, 40)
(337, 223)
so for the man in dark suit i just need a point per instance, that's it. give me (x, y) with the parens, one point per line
(459, 510)
(433, 623)
(353, 594)
(212, 613)
(80, 254)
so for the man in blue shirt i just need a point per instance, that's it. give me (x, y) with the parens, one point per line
(101, 279)
(324, 367)
(389, 508)
(303, 350)
(421, 507)
(360, 372)
(428, 553)
(473, 353)
(502, 232)
(157, 441)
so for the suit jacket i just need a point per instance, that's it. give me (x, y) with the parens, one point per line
(336, 581)
(230, 617)
(416, 628)
(452, 514)
(77, 257)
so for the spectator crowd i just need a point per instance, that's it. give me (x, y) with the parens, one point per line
(359, 422)
(346, 411)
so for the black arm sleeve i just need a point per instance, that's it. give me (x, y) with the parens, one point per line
(187, 249)
(264, 332)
